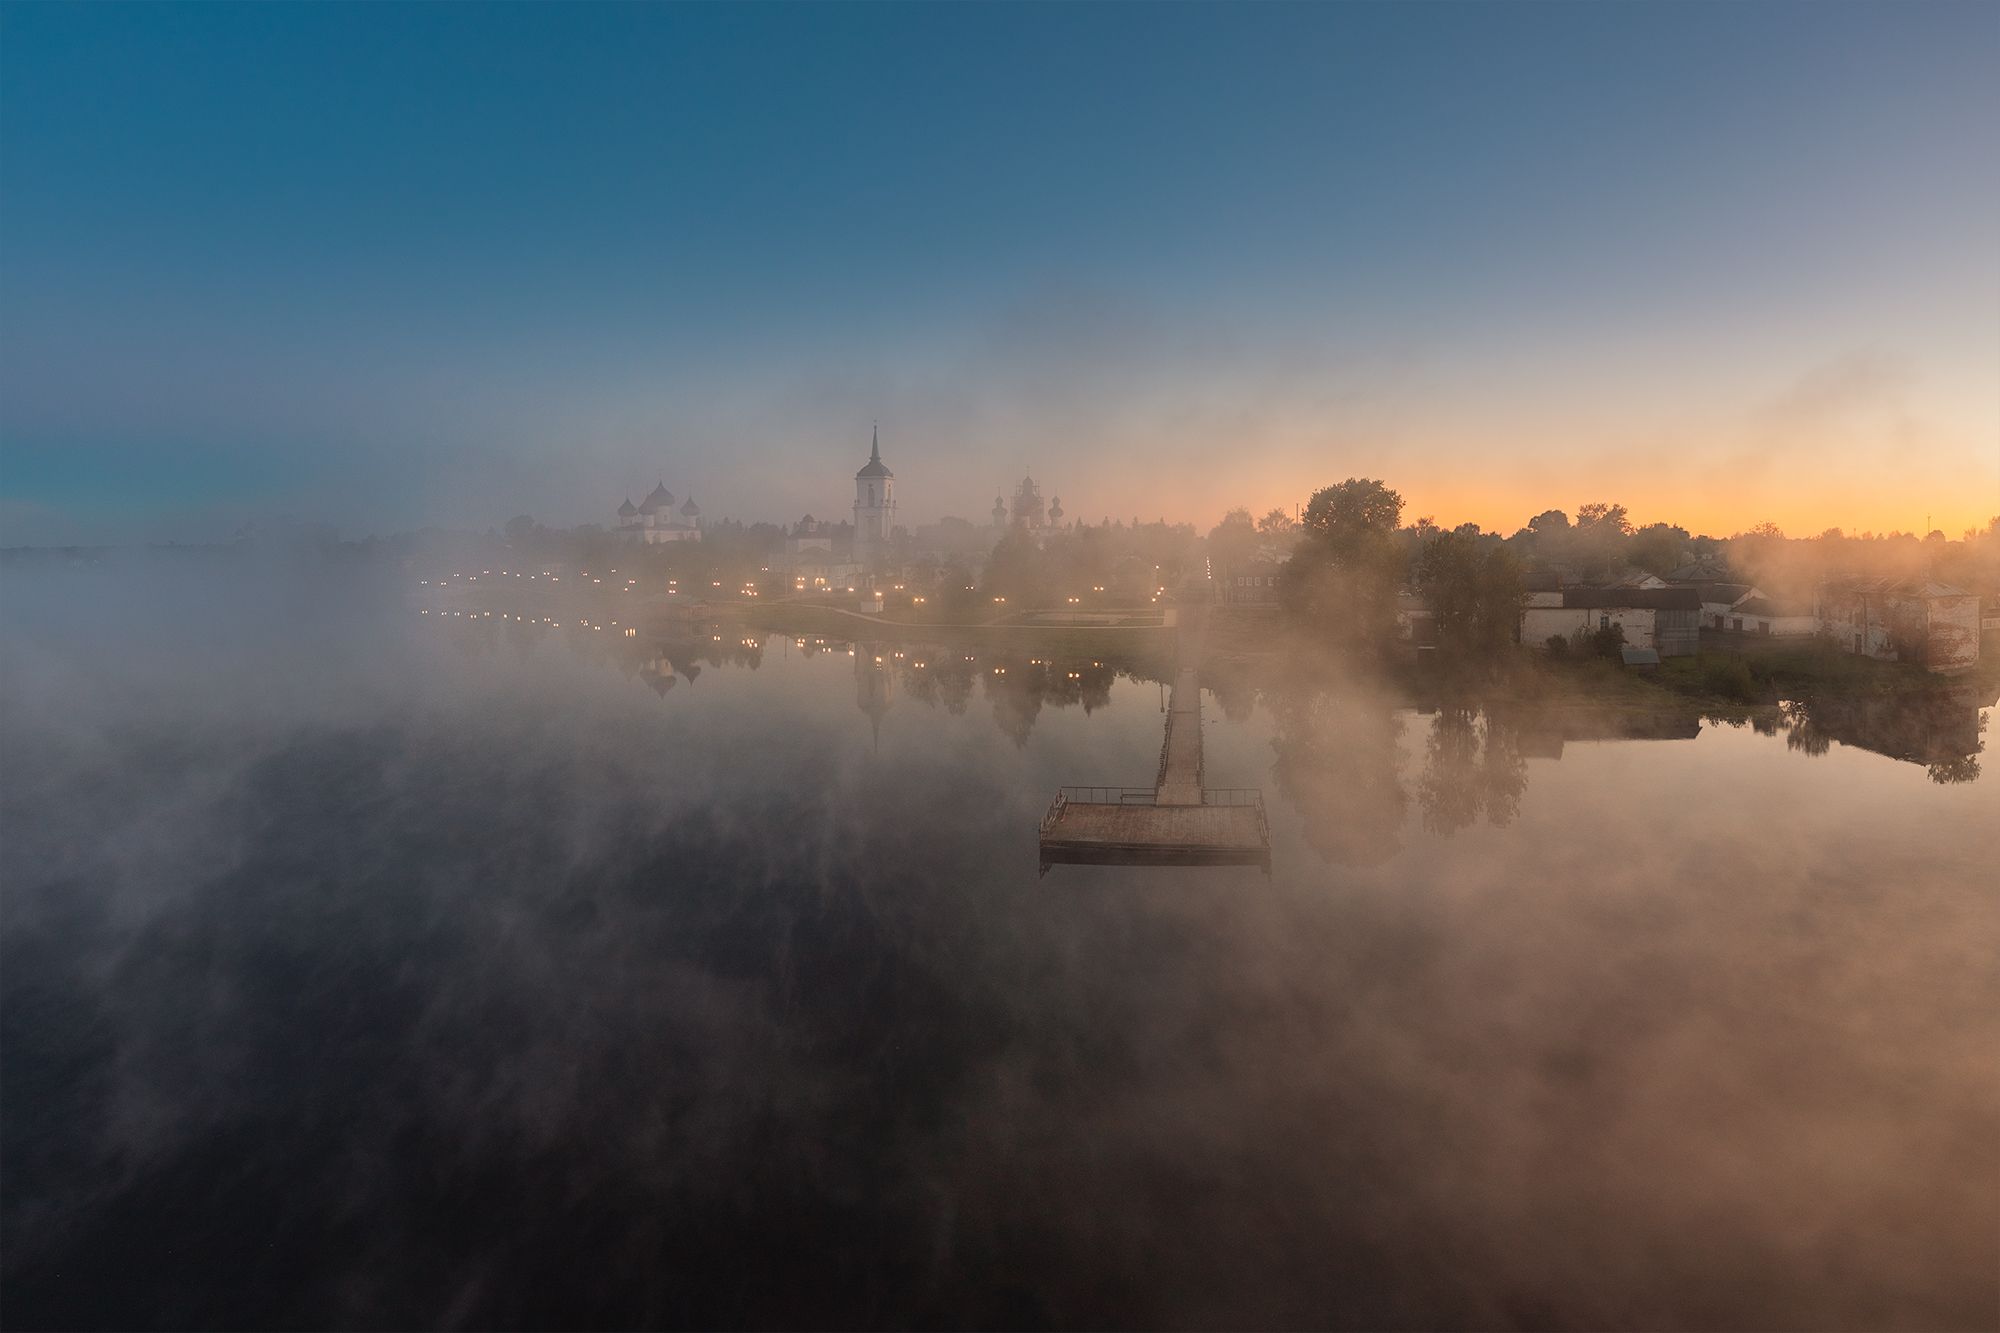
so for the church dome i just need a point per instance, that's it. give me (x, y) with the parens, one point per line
(661, 498)
(691, 509)
(627, 510)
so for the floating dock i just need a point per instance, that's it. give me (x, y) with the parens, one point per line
(1175, 822)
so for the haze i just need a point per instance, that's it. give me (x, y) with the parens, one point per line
(1049, 667)
(386, 268)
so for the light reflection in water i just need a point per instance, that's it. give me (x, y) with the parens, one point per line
(496, 974)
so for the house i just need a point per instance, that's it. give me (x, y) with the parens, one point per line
(1416, 621)
(1698, 572)
(1754, 613)
(1665, 619)
(1719, 598)
(1918, 620)
(1253, 583)
(1634, 577)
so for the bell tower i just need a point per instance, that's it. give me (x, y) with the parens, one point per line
(874, 508)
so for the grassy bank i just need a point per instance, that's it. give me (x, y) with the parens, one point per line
(1786, 670)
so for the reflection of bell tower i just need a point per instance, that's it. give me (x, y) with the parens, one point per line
(874, 685)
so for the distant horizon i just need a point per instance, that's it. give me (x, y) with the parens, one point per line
(387, 267)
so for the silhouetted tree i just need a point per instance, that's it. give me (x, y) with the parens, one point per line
(1232, 543)
(1474, 594)
(1278, 524)
(1343, 579)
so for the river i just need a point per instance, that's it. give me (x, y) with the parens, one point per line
(366, 970)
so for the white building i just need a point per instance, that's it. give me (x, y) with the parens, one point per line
(1911, 620)
(1754, 613)
(874, 509)
(1667, 620)
(655, 519)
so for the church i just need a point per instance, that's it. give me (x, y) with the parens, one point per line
(655, 519)
(874, 509)
(1028, 510)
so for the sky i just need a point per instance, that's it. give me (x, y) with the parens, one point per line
(382, 267)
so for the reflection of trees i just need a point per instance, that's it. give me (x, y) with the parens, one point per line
(1019, 687)
(1795, 720)
(1947, 771)
(1939, 728)
(1015, 691)
(954, 683)
(1339, 762)
(1231, 689)
(1472, 767)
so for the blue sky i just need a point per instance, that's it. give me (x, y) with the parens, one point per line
(383, 266)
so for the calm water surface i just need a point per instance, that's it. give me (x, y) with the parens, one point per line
(368, 971)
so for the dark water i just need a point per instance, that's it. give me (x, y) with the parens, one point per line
(364, 971)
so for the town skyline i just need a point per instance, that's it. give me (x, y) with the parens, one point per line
(327, 266)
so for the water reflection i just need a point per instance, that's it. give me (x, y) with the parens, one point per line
(1338, 752)
(1017, 682)
(1473, 766)
(1940, 727)
(1339, 763)
(350, 979)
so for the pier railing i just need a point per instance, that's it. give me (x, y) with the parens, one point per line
(1107, 795)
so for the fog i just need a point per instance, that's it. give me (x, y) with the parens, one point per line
(368, 971)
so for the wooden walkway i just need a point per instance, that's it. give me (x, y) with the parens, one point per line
(1177, 821)
(1180, 757)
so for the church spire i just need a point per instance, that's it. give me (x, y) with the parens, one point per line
(875, 445)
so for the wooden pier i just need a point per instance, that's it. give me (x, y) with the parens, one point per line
(1175, 822)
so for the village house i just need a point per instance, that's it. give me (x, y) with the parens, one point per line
(1667, 620)
(1754, 613)
(1719, 599)
(1917, 620)
(1415, 620)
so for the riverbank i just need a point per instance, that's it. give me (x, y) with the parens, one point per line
(1149, 647)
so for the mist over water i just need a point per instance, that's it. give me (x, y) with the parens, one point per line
(361, 970)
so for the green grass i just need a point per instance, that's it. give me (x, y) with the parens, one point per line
(1778, 670)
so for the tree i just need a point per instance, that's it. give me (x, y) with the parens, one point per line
(1352, 513)
(1546, 537)
(1278, 525)
(1474, 594)
(1343, 579)
(1605, 517)
(1606, 641)
(1657, 547)
(1549, 523)
(1019, 572)
(1232, 543)
(1598, 545)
